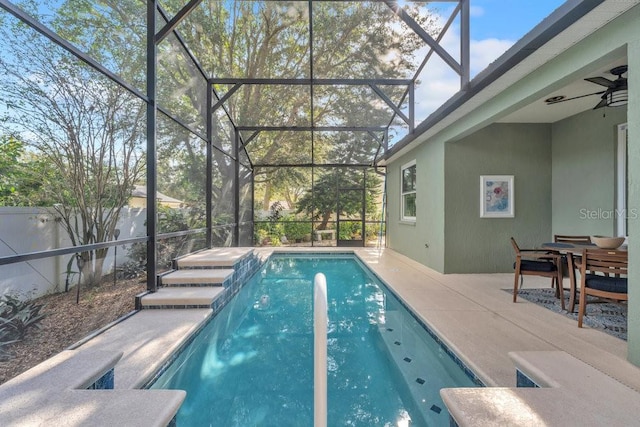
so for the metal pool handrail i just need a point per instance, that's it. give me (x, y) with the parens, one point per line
(320, 320)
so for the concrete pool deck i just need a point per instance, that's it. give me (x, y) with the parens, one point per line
(478, 320)
(584, 373)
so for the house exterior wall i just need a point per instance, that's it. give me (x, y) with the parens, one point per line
(633, 159)
(583, 199)
(481, 245)
(412, 239)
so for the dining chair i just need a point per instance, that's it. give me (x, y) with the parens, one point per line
(571, 272)
(604, 275)
(536, 262)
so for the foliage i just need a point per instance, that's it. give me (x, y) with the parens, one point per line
(276, 227)
(260, 233)
(132, 269)
(271, 40)
(5, 344)
(16, 318)
(371, 230)
(329, 195)
(23, 174)
(275, 212)
(169, 220)
(294, 229)
(87, 132)
(350, 230)
(87, 129)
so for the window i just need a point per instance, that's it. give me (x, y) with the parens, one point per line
(408, 191)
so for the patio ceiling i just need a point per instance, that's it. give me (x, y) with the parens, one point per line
(308, 82)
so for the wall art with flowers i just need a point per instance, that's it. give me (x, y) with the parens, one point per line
(496, 196)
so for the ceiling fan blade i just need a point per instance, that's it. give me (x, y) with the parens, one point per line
(576, 97)
(601, 104)
(601, 81)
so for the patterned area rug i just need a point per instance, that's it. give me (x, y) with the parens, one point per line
(608, 317)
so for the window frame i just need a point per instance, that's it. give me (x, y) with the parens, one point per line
(403, 193)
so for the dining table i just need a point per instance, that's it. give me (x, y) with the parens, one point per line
(572, 250)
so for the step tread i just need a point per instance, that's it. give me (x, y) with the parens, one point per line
(216, 276)
(216, 257)
(182, 296)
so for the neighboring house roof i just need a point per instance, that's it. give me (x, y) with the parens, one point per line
(566, 26)
(141, 192)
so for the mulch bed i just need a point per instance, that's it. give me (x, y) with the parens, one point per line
(67, 322)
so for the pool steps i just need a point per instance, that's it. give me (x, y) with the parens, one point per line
(76, 388)
(200, 279)
(554, 388)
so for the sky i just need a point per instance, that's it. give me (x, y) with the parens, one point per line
(495, 25)
(508, 19)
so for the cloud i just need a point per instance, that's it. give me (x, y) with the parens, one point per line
(476, 11)
(438, 82)
(484, 52)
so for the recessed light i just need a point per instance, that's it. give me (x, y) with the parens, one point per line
(554, 99)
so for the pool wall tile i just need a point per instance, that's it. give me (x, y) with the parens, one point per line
(522, 380)
(476, 380)
(243, 270)
(105, 382)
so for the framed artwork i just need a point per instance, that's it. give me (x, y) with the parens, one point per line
(496, 196)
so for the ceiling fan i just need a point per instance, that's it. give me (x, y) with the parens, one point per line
(614, 96)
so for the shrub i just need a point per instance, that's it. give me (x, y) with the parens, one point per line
(372, 231)
(348, 230)
(170, 220)
(261, 234)
(294, 230)
(16, 318)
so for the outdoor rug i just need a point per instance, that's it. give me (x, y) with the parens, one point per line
(608, 317)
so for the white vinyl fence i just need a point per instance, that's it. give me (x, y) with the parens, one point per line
(25, 230)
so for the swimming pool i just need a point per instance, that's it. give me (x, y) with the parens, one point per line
(253, 363)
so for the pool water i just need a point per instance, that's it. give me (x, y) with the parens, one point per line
(253, 363)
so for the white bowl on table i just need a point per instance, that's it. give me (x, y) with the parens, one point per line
(605, 242)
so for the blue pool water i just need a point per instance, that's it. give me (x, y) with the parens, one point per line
(253, 363)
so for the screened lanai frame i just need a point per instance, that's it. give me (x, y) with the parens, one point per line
(239, 230)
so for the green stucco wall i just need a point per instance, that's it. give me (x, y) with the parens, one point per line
(583, 158)
(410, 238)
(633, 153)
(481, 245)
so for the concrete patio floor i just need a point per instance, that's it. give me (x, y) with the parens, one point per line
(478, 320)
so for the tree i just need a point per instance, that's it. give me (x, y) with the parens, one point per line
(271, 40)
(329, 195)
(23, 175)
(87, 128)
